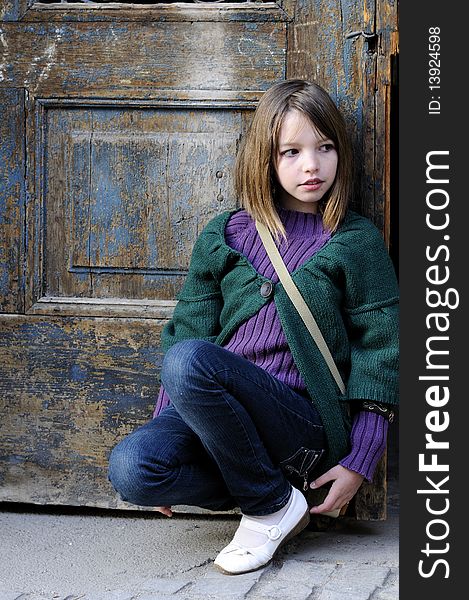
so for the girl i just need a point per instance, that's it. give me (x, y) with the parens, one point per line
(248, 412)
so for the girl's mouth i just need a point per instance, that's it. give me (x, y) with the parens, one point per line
(312, 184)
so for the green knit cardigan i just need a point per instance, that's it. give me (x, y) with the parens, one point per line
(350, 287)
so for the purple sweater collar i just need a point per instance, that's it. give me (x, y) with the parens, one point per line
(301, 224)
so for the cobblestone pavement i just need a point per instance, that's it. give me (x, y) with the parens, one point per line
(292, 580)
(354, 561)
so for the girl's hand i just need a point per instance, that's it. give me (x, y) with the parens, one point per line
(345, 486)
(165, 510)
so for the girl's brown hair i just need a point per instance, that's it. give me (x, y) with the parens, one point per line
(255, 172)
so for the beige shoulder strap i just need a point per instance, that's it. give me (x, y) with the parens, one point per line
(298, 301)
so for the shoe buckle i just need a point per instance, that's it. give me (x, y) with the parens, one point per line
(274, 532)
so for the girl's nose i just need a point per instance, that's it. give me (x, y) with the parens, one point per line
(310, 164)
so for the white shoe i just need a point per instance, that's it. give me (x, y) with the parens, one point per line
(236, 558)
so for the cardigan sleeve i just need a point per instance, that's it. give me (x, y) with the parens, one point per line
(374, 355)
(371, 319)
(197, 313)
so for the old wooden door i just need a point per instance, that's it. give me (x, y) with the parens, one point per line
(119, 126)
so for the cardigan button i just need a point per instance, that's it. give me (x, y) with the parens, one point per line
(266, 289)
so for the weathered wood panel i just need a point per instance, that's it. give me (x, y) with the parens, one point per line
(180, 11)
(71, 389)
(103, 307)
(127, 193)
(136, 60)
(370, 503)
(12, 10)
(12, 198)
(387, 51)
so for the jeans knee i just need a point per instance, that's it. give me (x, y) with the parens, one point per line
(182, 361)
(140, 477)
(125, 471)
(119, 468)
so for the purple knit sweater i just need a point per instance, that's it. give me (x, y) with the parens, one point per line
(262, 341)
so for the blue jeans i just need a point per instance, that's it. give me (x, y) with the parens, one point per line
(233, 435)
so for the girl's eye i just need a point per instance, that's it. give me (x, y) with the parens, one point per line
(289, 152)
(327, 147)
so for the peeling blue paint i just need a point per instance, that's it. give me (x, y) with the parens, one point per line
(13, 459)
(12, 198)
(152, 355)
(4, 282)
(78, 373)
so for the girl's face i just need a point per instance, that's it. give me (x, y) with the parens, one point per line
(306, 164)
